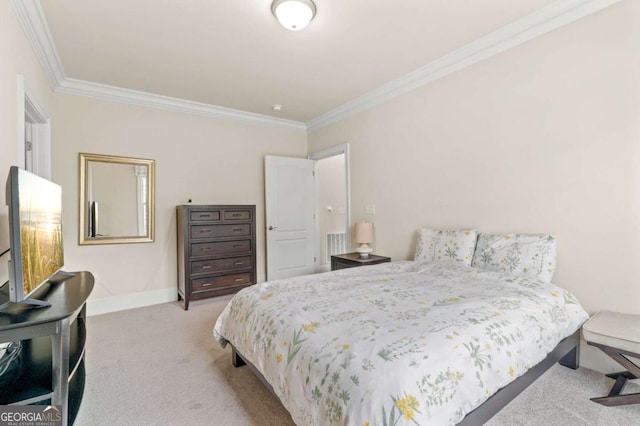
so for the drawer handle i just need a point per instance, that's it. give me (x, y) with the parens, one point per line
(237, 215)
(207, 284)
(205, 215)
(238, 280)
(237, 245)
(205, 249)
(238, 263)
(204, 231)
(206, 267)
(237, 229)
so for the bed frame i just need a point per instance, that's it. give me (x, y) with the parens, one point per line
(567, 353)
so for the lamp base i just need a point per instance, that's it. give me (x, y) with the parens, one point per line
(364, 250)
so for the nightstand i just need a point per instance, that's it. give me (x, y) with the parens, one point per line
(352, 260)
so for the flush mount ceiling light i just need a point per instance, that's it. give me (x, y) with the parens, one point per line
(294, 15)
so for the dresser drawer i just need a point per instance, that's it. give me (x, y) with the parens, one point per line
(215, 265)
(217, 231)
(224, 247)
(236, 215)
(211, 283)
(203, 215)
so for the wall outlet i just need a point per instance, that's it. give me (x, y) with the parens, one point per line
(370, 209)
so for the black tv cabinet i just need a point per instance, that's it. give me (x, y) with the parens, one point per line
(51, 367)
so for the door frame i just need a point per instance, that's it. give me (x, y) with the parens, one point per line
(319, 155)
(31, 111)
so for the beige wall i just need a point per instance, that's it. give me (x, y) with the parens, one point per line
(542, 138)
(16, 57)
(203, 159)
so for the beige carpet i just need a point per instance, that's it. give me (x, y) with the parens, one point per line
(161, 366)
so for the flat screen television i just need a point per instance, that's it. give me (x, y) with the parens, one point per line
(35, 233)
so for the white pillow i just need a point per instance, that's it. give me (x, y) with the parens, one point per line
(528, 255)
(445, 246)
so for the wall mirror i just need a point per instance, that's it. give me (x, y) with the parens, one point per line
(116, 199)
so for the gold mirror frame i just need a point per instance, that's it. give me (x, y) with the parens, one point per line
(84, 213)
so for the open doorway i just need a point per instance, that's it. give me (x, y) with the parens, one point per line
(333, 203)
(304, 228)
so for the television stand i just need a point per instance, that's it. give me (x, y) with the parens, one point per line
(60, 276)
(32, 303)
(51, 363)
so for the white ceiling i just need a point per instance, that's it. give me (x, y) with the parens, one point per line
(234, 54)
(230, 59)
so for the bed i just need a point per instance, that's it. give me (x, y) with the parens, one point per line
(402, 342)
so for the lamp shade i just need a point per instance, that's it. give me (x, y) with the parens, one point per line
(363, 233)
(294, 15)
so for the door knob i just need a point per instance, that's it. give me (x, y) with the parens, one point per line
(271, 228)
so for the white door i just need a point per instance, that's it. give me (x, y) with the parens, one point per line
(290, 216)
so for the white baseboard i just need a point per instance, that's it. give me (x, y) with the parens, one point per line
(137, 300)
(131, 301)
(324, 268)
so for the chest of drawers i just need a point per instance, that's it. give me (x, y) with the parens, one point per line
(216, 250)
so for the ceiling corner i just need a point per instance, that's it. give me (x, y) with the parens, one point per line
(34, 24)
(540, 22)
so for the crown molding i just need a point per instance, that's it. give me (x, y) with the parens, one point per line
(34, 24)
(542, 21)
(117, 94)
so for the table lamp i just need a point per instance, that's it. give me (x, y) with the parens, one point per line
(363, 235)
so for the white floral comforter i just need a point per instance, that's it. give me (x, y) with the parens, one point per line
(396, 343)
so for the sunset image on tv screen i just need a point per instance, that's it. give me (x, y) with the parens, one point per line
(40, 230)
